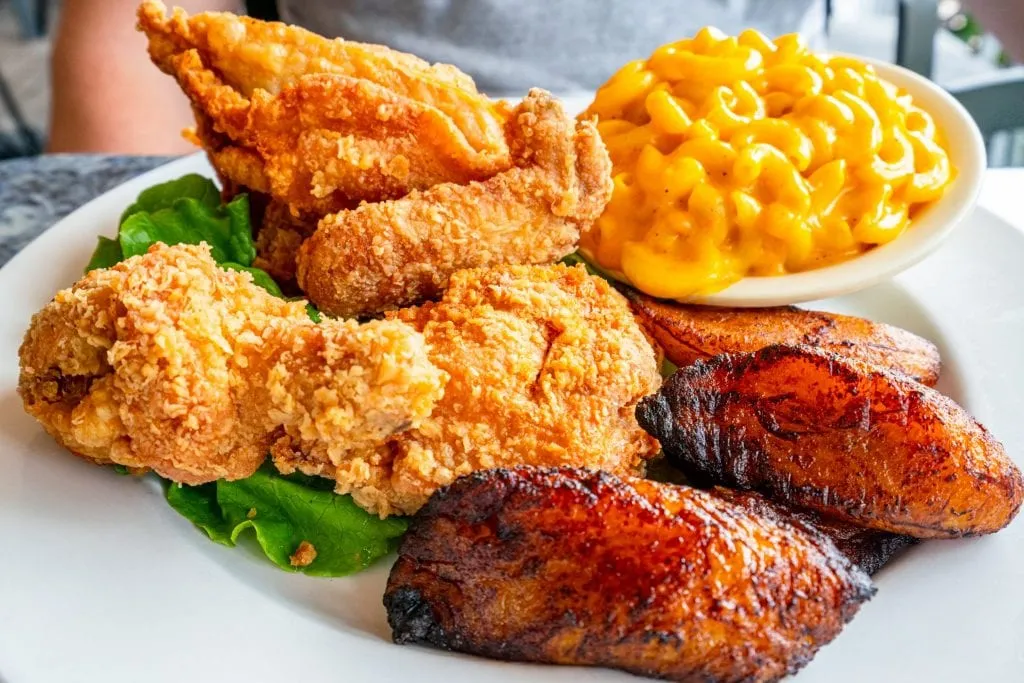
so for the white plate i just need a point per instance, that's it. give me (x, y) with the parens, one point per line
(101, 581)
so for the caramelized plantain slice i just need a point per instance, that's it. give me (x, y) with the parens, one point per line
(868, 549)
(691, 333)
(853, 442)
(582, 567)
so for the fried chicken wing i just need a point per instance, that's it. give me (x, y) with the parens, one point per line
(323, 124)
(396, 253)
(578, 567)
(166, 361)
(691, 333)
(832, 434)
(545, 366)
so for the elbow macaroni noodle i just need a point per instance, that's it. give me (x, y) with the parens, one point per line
(738, 156)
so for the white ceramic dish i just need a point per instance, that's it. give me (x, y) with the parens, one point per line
(929, 229)
(101, 581)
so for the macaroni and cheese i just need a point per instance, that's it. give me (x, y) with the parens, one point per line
(738, 156)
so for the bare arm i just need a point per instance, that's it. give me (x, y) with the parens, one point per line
(107, 96)
(1005, 20)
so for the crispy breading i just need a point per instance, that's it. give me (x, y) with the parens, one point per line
(853, 442)
(167, 361)
(545, 367)
(278, 240)
(391, 254)
(250, 54)
(323, 124)
(691, 333)
(580, 567)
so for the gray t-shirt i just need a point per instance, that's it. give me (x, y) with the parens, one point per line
(565, 46)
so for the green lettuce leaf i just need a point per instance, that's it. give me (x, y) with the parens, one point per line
(186, 211)
(190, 221)
(108, 253)
(285, 511)
(198, 504)
(163, 196)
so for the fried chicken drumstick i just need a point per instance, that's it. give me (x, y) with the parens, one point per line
(321, 124)
(166, 361)
(396, 253)
(579, 567)
(837, 436)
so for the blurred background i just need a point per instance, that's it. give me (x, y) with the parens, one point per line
(938, 38)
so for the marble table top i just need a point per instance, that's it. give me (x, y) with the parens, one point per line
(37, 192)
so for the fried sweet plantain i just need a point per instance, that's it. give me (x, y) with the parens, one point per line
(868, 549)
(572, 566)
(853, 442)
(691, 333)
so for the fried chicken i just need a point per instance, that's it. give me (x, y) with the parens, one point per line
(166, 361)
(579, 567)
(391, 254)
(321, 124)
(278, 240)
(837, 436)
(545, 365)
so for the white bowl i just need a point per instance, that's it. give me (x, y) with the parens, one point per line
(930, 227)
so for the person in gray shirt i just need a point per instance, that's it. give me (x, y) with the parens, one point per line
(108, 97)
(563, 46)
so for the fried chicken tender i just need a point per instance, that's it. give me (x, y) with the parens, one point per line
(322, 124)
(278, 240)
(569, 566)
(397, 253)
(166, 361)
(545, 367)
(850, 441)
(691, 333)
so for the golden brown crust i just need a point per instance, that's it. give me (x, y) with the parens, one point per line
(391, 254)
(853, 442)
(323, 124)
(167, 361)
(278, 239)
(250, 54)
(545, 366)
(691, 333)
(303, 555)
(578, 567)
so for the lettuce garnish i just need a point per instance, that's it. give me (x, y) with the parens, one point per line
(186, 211)
(286, 513)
